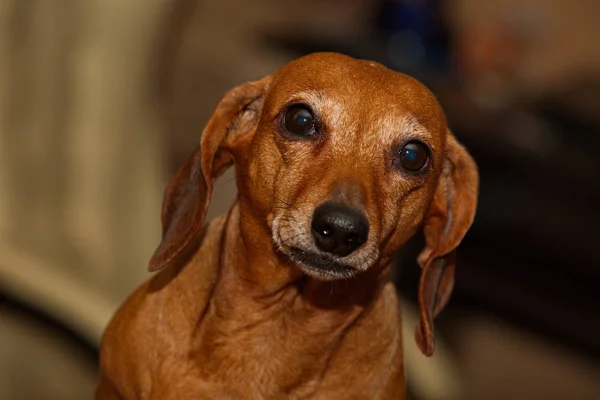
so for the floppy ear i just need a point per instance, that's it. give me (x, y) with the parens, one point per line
(447, 221)
(188, 193)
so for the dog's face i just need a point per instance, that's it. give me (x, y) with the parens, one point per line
(345, 161)
(342, 161)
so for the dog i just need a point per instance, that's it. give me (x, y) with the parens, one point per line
(338, 163)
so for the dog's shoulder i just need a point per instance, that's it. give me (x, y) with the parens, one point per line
(144, 331)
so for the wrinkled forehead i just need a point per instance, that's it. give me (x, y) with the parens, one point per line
(343, 85)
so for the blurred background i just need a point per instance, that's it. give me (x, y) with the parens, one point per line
(101, 100)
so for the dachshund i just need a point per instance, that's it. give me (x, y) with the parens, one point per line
(338, 163)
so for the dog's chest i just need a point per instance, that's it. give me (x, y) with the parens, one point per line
(283, 359)
(265, 358)
(270, 378)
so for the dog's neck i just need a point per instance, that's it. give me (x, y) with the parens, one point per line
(260, 294)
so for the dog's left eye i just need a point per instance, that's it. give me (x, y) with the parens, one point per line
(299, 120)
(413, 156)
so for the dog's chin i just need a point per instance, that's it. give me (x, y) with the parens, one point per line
(320, 267)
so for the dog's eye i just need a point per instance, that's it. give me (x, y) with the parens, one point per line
(299, 120)
(413, 156)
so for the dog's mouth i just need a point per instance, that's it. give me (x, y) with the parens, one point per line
(320, 267)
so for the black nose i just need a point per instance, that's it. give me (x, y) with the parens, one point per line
(339, 229)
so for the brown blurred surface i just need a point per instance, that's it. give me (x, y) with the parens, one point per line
(38, 361)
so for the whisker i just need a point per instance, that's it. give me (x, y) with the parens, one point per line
(286, 203)
(287, 218)
(292, 237)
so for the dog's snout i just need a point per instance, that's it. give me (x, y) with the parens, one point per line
(339, 229)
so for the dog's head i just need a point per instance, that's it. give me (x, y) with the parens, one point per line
(344, 160)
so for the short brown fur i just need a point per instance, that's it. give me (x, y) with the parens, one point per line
(230, 315)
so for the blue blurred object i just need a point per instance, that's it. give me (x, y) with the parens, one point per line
(414, 15)
(415, 34)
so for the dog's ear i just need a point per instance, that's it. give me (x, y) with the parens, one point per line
(447, 220)
(187, 196)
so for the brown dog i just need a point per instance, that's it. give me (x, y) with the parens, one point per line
(338, 161)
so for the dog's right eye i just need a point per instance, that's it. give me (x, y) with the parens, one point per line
(299, 121)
